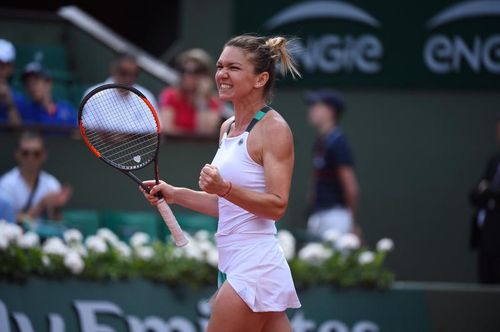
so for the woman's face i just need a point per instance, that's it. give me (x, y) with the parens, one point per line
(235, 76)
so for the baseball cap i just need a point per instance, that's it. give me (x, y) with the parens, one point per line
(7, 51)
(331, 97)
(35, 68)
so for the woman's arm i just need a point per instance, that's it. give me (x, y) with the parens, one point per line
(277, 159)
(198, 201)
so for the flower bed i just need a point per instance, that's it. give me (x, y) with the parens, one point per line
(338, 260)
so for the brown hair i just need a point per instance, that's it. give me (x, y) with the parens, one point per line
(264, 53)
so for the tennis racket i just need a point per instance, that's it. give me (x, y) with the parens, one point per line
(121, 127)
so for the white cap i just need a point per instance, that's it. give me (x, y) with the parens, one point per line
(7, 51)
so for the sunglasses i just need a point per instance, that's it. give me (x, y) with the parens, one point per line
(26, 153)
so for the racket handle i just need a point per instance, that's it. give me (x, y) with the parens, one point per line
(172, 224)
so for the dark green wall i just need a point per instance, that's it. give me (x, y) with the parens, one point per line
(417, 154)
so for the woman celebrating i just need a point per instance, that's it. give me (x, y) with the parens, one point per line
(247, 188)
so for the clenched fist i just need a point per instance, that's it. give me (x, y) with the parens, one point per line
(212, 182)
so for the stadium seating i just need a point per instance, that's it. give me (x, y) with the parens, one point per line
(86, 221)
(126, 223)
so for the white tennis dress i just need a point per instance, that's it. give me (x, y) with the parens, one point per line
(249, 253)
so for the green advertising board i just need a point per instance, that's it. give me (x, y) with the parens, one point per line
(389, 44)
(143, 306)
(139, 305)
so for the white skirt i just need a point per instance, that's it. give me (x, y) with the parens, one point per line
(257, 270)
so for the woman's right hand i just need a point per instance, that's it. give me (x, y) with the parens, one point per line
(166, 190)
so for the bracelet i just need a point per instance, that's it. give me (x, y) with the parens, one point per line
(228, 191)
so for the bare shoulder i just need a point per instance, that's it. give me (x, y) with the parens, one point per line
(275, 126)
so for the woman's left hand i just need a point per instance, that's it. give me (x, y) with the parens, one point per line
(211, 181)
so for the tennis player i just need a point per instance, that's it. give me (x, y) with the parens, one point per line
(247, 188)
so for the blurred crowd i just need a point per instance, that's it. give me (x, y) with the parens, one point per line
(190, 109)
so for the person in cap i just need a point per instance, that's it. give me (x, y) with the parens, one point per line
(125, 70)
(9, 98)
(335, 196)
(192, 107)
(40, 108)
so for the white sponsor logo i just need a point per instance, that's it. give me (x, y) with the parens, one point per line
(89, 314)
(320, 9)
(332, 53)
(451, 54)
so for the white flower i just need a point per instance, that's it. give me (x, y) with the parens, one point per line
(331, 235)
(4, 243)
(80, 249)
(123, 249)
(192, 251)
(315, 253)
(11, 232)
(108, 236)
(73, 236)
(144, 253)
(202, 235)
(28, 240)
(205, 246)
(139, 239)
(55, 246)
(46, 260)
(96, 244)
(178, 252)
(366, 257)
(213, 257)
(74, 262)
(287, 243)
(385, 245)
(348, 242)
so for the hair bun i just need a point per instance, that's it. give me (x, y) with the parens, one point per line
(279, 50)
(276, 44)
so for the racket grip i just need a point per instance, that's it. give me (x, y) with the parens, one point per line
(172, 224)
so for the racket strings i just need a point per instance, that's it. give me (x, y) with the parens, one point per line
(121, 127)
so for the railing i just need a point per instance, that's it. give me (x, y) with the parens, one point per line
(119, 44)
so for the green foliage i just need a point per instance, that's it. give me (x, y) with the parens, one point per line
(104, 257)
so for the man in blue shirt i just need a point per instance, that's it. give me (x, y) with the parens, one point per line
(41, 108)
(9, 98)
(335, 194)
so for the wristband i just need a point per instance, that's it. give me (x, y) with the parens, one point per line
(228, 190)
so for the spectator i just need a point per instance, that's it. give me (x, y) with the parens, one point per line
(335, 193)
(9, 99)
(40, 107)
(192, 107)
(33, 193)
(485, 235)
(125, 70)
(6, 211)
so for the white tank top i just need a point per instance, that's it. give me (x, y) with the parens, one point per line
(236, 165)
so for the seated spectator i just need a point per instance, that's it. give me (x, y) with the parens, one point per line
(32, 193)
(192, 107)
(125, 70)
(9, 98)
(40, 107)
(6, 211)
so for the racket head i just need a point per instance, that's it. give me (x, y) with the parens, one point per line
(120, 126)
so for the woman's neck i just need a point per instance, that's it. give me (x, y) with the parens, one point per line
(245, 110)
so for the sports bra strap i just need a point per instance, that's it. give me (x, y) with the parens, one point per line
(259, 115)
